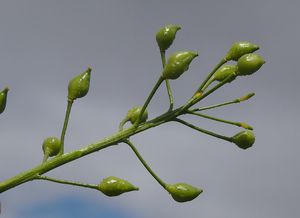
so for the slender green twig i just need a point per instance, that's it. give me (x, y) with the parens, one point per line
(171, 99)
(122, 123)
(154, 89)
(64, 129)
(46, 156)
(222, 61)
(66, 182)
(235, 101)
(139, 156)
(203, 130)
(239, 124)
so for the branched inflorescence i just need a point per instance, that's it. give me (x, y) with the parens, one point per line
(246, 63)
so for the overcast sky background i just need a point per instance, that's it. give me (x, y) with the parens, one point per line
(43, 44)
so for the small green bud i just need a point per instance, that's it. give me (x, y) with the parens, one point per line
(3, 99)
(244, 139)
(51, 146)
(113, 186)
(225, 71)
(182, 192)
(134, 113)
(249, 64)
(166, 35)
(178, 63)
(79, 85)
(238, 49)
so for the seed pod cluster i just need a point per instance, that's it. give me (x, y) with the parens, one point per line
(238, 49)
(113, 186)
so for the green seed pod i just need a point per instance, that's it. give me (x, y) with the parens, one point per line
(3, 99)
(249, 64)
(51, 146)
(134, 113)
(178, 63)
(182, 192)
(238, 49)
(244, 139)
(166, 35)
(113, 186)
(223, 72)
(79, 85)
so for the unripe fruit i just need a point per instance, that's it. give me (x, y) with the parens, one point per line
(182, 192)
(113, 186)
(177, 64)
(166, 35)
(134, 113)
(225, 71)
(79, 85)
(249, 64)
(244, 139)
(51, 146)
(3, 99)
(238, 49)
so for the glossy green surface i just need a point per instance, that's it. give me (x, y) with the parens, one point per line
(79, 85)
(134, 113)
(166, 35)
(182, 192)
(113, 186)
(178, 63)
(51, 145)
(249, 64)
(3, 99)
(244, 139)
(238, 49)
(225, 71)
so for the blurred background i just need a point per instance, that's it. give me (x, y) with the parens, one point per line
(45, 43)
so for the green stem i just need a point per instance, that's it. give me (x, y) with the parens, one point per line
(235, 101)
(171, 99)
(162, 183)
(223, 61)
(203, 130)
(66, 182)
(63, 132)
(122, 123)
(239, 124)
(46, 156)
(154, 89)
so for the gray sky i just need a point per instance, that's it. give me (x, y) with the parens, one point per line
(45, 43)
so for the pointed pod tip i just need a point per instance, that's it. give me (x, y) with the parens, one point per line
(6, 89)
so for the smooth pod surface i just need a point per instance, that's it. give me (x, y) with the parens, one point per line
(225, 71)
(244, 139)
(166, 35)
(238, 49)
(249, 64)
(79, 86)
(178, 63)
(51, 145)
(135, 112)
(3, 99)
(113, 186)
(182, 192)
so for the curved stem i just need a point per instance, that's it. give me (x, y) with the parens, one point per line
(239, 124)
(154, 89)
(171, 99)
(66, 182)
(203, 130)
(46, 156)
(162, 183)
(64, 129)
(122, 123)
